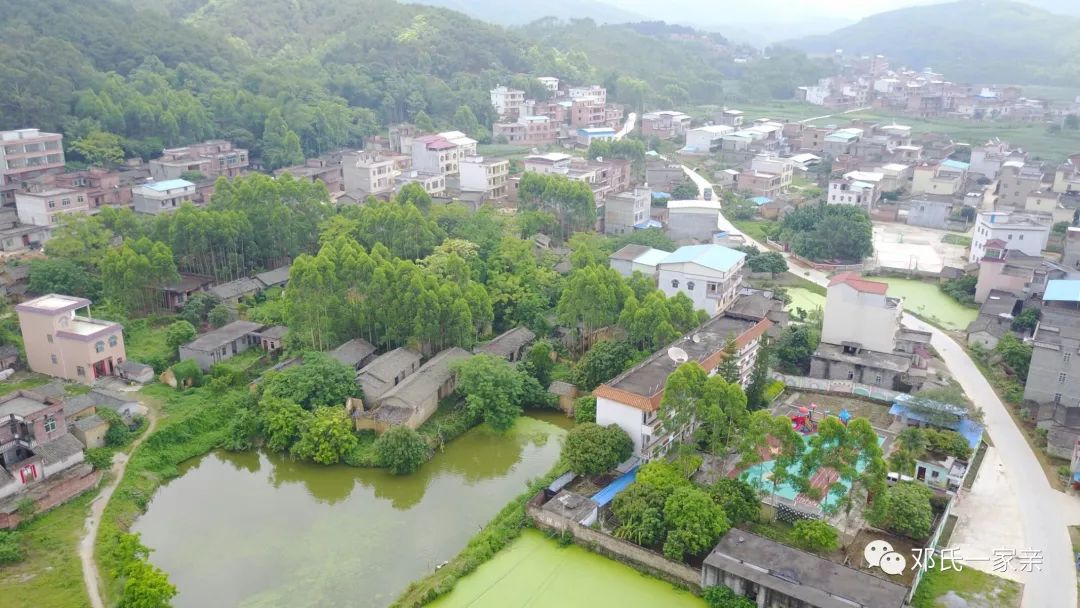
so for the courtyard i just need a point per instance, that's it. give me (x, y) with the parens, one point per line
(914, 248)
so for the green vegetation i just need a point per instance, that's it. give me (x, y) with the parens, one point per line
(495, 391)
(795, 347)
(585, 409)
(829, 233)
(11, 550)
(723, 597)
(1015, 355)
(48, 572)
(145, 585)
(956, 239)
(591, 449)
(816, 536)
(970, 584)
(759, 230)
(905, 509)
(927, 300)
(401, 449)
(962, 289)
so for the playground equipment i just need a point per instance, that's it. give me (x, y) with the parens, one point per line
(804, 422)
(845, 416)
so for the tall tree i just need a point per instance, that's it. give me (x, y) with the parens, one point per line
(280, 144)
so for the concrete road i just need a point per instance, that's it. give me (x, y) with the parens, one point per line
(806, 120)
(1033, 514)
(628, 126)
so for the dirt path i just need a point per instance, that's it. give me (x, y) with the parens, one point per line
(91, 576)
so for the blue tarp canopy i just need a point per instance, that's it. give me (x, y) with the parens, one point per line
(608, 494)
(648, 224)
(661, 195)
(761, 200)
(972, 431)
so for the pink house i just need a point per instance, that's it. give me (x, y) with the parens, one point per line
(65, 345)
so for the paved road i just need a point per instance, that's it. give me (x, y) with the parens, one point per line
(1044, 513)
(631, 121)
(806, 120)
(91, 576)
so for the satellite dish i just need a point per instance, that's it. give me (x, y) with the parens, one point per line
(678, 355)
(696, 338)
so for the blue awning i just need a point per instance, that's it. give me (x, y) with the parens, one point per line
(608, 494)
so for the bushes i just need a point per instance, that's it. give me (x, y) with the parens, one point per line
(99, 458)
(187, 373)
(145, 586)
(10, 547)
(961, 289)
(816, 536)
(693, 523)
(723, 597)
(585, 409)
(905, 509)
(401, 449)
(591, 449)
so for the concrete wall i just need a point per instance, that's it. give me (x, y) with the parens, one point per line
(80, 479)
(844, 387)
(864, 318)
(640, 558)
(625, 417)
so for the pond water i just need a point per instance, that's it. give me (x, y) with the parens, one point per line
(258, 529)
(927, 300)
(535, 571)
(805, 299)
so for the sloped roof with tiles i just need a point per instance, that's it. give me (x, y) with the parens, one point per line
(858, 283)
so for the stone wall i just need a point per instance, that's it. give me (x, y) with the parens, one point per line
(638, 557)
(73, 482)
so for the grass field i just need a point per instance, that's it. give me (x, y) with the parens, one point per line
(978, 589)
(50, 575)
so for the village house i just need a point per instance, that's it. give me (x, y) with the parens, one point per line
(367, 174)
(222, 343)
(156, 198)
(692, 221)
(841, 141)
(1014, 271)
(1052, 391)
(848, 191)
(432, 183)
(42, 206)
(230, 293)
(386, 371)
(327, 169)
(355, 353)
(999, 309)
(62, 344)
(705, 140)
(415, 398)
(213, 159)
(1067, 176)
(507, 101)
(636, 258)
(1016, 180)
(1025, 232)
(987, 160)
(435, 154)
(587, 135)
(26, 154)
(16, 236)
(34, 441)
(931, 211)
(272, 339)
(632, 399)
(487, 176)
(527, 131)
(774, 575)
(509, 345)
(665, 124)
(710, 275)
(862, 340)
(627, 211)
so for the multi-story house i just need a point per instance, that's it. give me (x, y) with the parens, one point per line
(847, 191)
(707, 139)
(553, 162)
(841, 141)
(710, 275)
(1016, 180)
(156, 198)
(1067, 176)
(368, 174)
(1023, 231)
(550, 83)
(1052, 390)
(625, 211)
(771, 163)
(486, 175)
(862, 340)
(34, 441)
(43, 206)
(756, 183)
(466, 145)
(507, 102)
(432, 183)
(987, 160)
(593, 92)
(213, 158)
(587, 135)
(632, 399)
(26, 154)
(435, 154)
(943, 178)
(526, 131)
(327, 169)
(63, 344)
(103, 187)
(664, 124)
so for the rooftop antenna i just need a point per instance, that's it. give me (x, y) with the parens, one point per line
(678, 355)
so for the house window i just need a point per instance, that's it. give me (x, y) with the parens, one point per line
(52, 204)
(1067, 357)
(80, 370)
(933, 474)
(1021, 237)
(50, 424)
(53, 359)
(1061, 378)
(66, 202)
(1057, 397)
(112, 340)
(690, 285)
(99, 346)
(850, 375)
(675, 283)
(877, 380)
(1010, 237)
(49, 338)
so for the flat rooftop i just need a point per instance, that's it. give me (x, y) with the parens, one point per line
(53, 304)
(85, 326)
(21, 406)
(648, 377)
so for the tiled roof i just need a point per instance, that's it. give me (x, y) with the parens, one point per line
(859, 284)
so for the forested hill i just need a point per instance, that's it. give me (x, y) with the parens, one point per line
(983, 41)
(158, 73)
(499, 11)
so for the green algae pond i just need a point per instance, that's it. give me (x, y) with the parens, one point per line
(536, 571)
(257, 529)
(928, 301)
(804, 298)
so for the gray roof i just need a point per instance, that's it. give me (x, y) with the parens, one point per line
(353, 351)
(377, 377)
(59, 449)
(277, 276)
(755, 303)
(90, 422)
(508, 342)
(276, 332)
(558, 387)
(1059, 322)
(20, 404)
(223, 335)
(806, 577)
(629, 252)
(97, 397)
(427, 380)
(134, 367)
(867, 358)
(235, 289)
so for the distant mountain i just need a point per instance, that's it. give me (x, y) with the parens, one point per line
(981, 41)
(498, 11)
